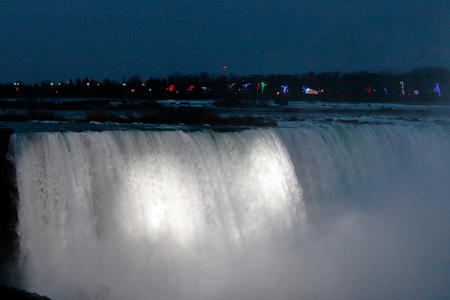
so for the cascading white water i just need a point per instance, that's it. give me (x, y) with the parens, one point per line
(209, 215)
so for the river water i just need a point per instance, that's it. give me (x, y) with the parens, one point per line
(344, 204)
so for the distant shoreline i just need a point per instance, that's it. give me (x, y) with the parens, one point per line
(427, 84)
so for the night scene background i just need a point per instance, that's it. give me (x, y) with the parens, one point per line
(225, 149)
(57, 40)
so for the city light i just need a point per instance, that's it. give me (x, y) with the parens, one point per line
(245, 85)
(263, 85)
(437, 89)
(311, 91)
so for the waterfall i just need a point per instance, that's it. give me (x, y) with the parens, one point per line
(318, 212)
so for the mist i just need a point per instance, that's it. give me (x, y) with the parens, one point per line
(320, 212)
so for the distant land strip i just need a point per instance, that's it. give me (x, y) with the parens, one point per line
(418, 85)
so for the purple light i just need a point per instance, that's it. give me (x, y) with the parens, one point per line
(245, 85)
(437, 89)
(284, 88)
(385, 89)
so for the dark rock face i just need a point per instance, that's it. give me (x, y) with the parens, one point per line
(17, 294)
(8, 213)
(8, 224)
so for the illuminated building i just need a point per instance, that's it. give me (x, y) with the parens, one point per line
(311, 91)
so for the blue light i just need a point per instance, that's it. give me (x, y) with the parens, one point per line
(437, 89)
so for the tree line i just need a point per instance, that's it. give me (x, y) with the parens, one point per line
(419, 84)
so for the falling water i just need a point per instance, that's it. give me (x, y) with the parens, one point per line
(323, 212)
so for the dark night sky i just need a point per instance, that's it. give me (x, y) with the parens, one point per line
(58, 40)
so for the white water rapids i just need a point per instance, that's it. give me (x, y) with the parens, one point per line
(321, 212)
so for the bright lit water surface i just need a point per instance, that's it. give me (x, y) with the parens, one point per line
(314, 209)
